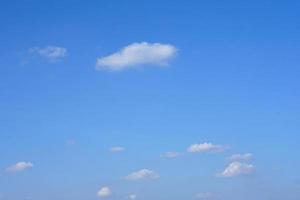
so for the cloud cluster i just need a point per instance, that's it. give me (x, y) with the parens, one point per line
(50, 52)
(136, 55)
(20, 166)
(205, 147)
(142, 174)
(132, 56)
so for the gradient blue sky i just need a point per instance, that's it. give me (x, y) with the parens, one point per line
(234, 82)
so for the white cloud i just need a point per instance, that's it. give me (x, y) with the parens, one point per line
(205, 147)
(142, 174)
(50, 52)
(237, 169)
(171, 154)
(104, 192)
(20, 166)
(241, 157)
(136, 55)
(132, 196)
(116, 149)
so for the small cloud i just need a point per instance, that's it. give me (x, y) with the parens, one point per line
(137, 54)
(206, 196)
(237, 169)
(241, 157)
(52, 53)
(104, 192)
(132, 196)
(171, 154)
(142, 174)
(116, 149)
(20, 166)
(205, 147)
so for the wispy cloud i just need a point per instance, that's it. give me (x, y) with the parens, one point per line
(142, 174)
(20, 166)
(116, 149)
(104, 192)
(171, 154)
(241, 157)
(51, 53)
(237, 169)
(205, 147)
(137, 55)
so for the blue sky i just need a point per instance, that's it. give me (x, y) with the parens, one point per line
(149, 100)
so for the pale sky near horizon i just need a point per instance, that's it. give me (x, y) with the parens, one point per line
(149, 100)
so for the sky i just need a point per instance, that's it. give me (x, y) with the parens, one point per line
(149, 100)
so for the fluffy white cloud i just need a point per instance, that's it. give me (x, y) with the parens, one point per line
(50, 52)
(236, 169)
(205, 147)
(142, 174)
(104, 192)
(171, 154)
(240, 157)
(132, 196)
(137, 54)
(20, 166)
(116, 149)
